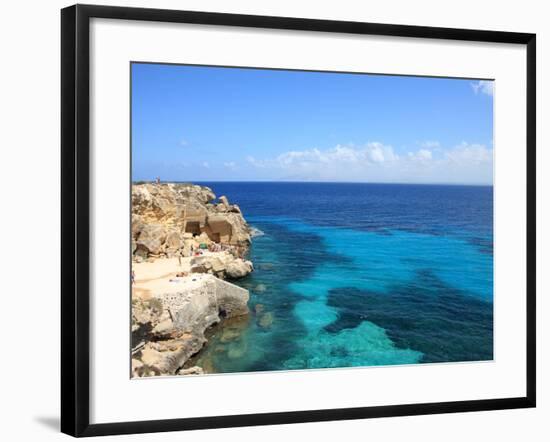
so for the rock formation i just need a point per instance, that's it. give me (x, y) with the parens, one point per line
(210, 240)
(174, 219)
(168, 329)
(223, 265)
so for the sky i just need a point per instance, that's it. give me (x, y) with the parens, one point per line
(193, 123)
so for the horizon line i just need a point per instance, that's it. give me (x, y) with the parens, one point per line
(319, 182)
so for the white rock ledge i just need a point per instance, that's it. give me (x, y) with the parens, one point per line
(194, 304)
(202, 300)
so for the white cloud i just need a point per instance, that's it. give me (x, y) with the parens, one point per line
(377, 155)
(468, 154)
(421, 155)
(377, 162)
(206, 164)
(342, 153)
(230, 165)
(371, 153)
(184, 143)
(380, 153)
(484, 87)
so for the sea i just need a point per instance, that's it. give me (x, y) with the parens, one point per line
(355, 275)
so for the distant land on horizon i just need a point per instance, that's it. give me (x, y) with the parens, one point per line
(200, 182)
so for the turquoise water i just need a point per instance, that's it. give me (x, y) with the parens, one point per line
(389, 275)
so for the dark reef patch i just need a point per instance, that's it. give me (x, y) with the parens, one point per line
(444, 323)
(281, 256)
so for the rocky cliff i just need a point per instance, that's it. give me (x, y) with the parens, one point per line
(171, 220)
(168, 329)
(185, 242)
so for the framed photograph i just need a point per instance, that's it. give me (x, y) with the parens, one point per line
(273, 220)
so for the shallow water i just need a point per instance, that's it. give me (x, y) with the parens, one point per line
(361, 274)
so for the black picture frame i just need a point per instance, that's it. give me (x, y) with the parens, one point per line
(75, 213)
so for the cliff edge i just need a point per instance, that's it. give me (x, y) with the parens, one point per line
(174, 219)
(184, 244)
(170, 328)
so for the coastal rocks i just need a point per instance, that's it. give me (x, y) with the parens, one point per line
(224, 201)
(266, 320)
(229, 334)
(190, 371)
(165, 357)
(172, 219)
(173, 241)
(254, 232)
(151, 239)
(137, 368)
(163, 327)
(206, 241)
(149, 311)
(237, 350)
(169, 329)
(238, 268)
(223, 265)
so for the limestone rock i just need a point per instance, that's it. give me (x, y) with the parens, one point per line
(223, 265)
(163, 327)
(165, 357)
(224, 201)
(178, 320)
(137, 365)
(137, 225)
(217, 265)
(238, 268)
(166, 216)
(191, 371)
(199, 268)
(173, 240)
(147, 312)
(151, 238)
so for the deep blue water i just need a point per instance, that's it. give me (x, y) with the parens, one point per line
(361, 274)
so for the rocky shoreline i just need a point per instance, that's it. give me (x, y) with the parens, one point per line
(186, 247)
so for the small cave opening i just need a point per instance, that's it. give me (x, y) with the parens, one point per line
(193, 227)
